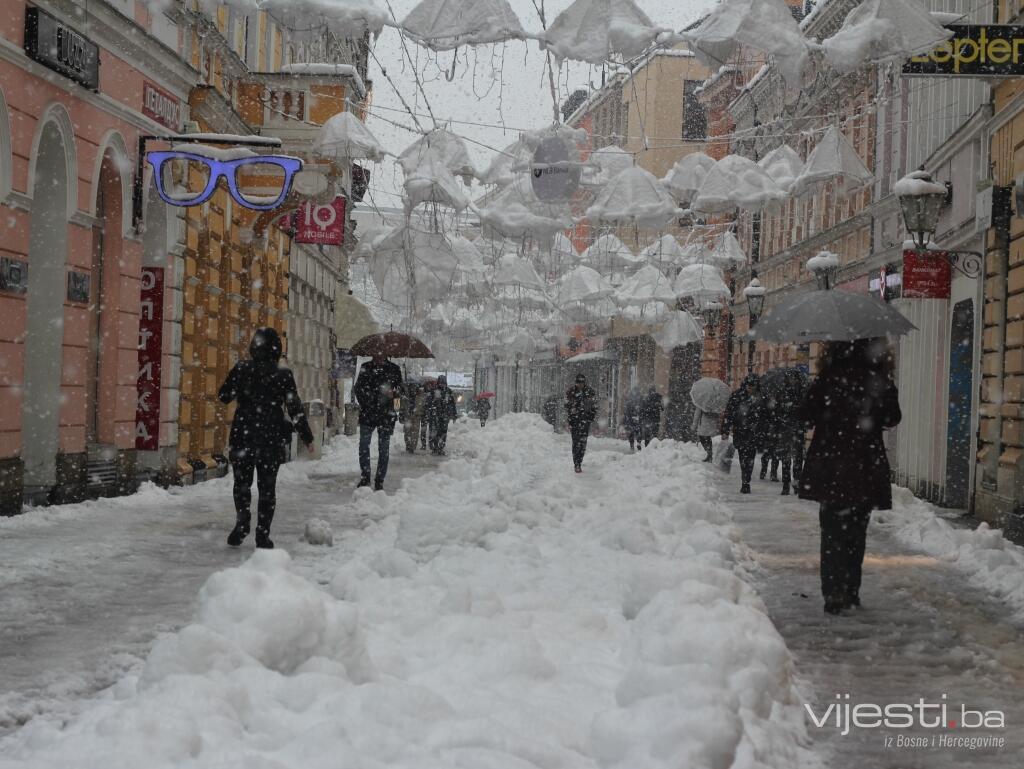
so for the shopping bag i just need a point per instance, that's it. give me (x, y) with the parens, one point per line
(724, 455)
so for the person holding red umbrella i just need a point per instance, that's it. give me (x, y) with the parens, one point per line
(376, 387)
(483, 409)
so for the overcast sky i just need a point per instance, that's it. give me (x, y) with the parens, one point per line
(492, 85)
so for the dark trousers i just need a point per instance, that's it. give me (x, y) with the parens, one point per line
(438, 436)
(705, 442)
(424, 432)
(633, 433)
(769, 457)
(383, 451)
(580, 433)
(483, 421)
(747, 455)
(649, 431)
(844, 533)
(244, 466)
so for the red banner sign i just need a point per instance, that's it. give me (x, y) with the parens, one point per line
(151, 324)
(926, 276)
(322, 225)
(163, 107)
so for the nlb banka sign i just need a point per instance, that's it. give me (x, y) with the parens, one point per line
(973, 50)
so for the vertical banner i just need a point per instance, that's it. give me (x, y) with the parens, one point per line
(151, 317)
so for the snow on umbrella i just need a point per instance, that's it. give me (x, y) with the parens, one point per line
(830, 316)
(447, 146)
(645, 286)
(783, 165)
(604, 164)
(429, 181)
(695, 252)
(515, 271)
(710, 395)
(678, 331)
(522, 298)
(392, 344)
(686, 176)
(607, 252)
(833, 160)
(736, 182)
(727, 252)
(883, 30)
(563, 250)
(410, 261)
(583, 284)
(437, 319)
(507, 164)
(634, 196)
(595, 30)
(765, 25)
(344, 136)
(515, 212)
(664, 252)
(471, 273)
(700, 282)
(445, 24)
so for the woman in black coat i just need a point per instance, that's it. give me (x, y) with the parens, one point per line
(846, 470)
(744, 419)
(259, 433)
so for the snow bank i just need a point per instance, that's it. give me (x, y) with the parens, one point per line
(991, 561)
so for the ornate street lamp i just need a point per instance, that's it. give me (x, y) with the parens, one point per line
(825, 266)
(922, 200)
(711, 313)
(754, 293)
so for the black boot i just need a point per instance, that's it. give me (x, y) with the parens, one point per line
(263, 540)
(785, 489)
(239, 533)
(764, 472)
(364, 481)
(378, 484)
(745, 488)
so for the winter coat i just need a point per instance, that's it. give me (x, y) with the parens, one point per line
(651, 408)
(550, 410)
(849, 406)
(441, 408)
(263, 391)
(705, 424)
(375, 390)
(483, 408)
(581, 407)
(631, 414)
(744, 419)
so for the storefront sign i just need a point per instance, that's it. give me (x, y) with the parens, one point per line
(926, 276)
(974, 50)
(322, 225)
(13, 275)
(57, 46)
(78, 287)
(161, 106)
(555, 173)
(151, 317)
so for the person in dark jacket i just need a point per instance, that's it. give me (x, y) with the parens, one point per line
(549, 411)
(783, 392)
(376, 387)
(581, 410)
(412, 414)
(743, 419)
(483, 410)
(850, 404)
(650, 415)
(441, 409)
(260, 435)
(631, 419)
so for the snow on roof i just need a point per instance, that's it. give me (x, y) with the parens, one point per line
(346, 18)
(326, 68)
(215, 153)
(269, 141)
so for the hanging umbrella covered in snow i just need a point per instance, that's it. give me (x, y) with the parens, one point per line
(515, 271)
(471, 273)
(647, 285)
(507, 164)
(765, 25)
(582, 284)
(833, 160)
(664, 252)
(736, 182)
(700, 282)
(429, 181)
(595, 31)
(883, 30)
(449, 148)
(783, 165)
(445, 24)
(686, 176)
(696, 252)
(409, 261)
(726, 252)
(679, 330)
(605, 164)
(609, 253)
(515, 212)
(634, 196)
(344, 136)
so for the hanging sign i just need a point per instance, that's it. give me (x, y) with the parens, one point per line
(163, 107)
(55, 45)
(151, 323)
(555, 174)
(322, 225)
(974, 50)
(926, 276)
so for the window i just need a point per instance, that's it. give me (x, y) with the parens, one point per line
(695, 119)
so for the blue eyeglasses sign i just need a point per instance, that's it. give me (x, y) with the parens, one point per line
(278, 170)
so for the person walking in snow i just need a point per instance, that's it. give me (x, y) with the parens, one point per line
(706, 425)
(413, 404)
(850, 404)
(260, 435)
(743, 418)
(549, 411)
(631, 419)
(378, 383)
(483, 410)
(441, 409)
(424, 399)
(581, 410)
(650, 415)
(783, 391)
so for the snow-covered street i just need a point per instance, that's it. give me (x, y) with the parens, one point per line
(493, 611)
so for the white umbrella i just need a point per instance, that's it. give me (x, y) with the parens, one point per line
(647, 285)
(596, 30)
(604, 164)
(764, 25)
(696, 252)
(634, 196)
(582, 284)
(736, 182)
(685, 177)
(445, 24)
(883, 30)
(515, 212)
(515, 271)
(710, 395)
(345, 136)
(471, 271)
(664, 252)
(507, 164)
(429, 181)
(445, 145)
(409, 261)
(607, 252)
(700, 282)
(833, 160)
(727, 252)
(679, 330)
(783, 165)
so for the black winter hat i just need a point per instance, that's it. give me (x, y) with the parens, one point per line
(265, 345)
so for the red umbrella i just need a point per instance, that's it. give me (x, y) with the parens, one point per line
(482, 396)
(392, 344)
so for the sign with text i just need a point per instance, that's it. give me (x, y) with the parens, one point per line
(321, 225)
(926, 276)
(163, 107)
(974, 50)
(55, 45)
(151, 323)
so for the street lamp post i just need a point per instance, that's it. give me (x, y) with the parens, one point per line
(754, 293)
(922, 200)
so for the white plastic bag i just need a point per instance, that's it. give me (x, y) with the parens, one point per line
(724, 455)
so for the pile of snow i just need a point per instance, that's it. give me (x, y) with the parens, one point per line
(823, 260)
(916, 184)
(318, 532)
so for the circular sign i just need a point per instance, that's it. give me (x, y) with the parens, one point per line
(555, 170)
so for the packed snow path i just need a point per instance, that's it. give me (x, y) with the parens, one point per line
(923, 630)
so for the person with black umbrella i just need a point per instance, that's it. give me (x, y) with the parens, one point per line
(743, 420)
(375, 389)
(259, 432)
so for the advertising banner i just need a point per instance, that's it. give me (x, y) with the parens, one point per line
(151, 323)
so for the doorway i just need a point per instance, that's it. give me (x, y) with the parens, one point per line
(961, 385)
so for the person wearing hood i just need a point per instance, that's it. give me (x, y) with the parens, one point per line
(631, 419)
(376, 387)
(260, 435)
(441, 409)
(581, 410)
(743, 418)
(650, 414)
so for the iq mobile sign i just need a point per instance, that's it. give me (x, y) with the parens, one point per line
(321, 225)
(973, 50)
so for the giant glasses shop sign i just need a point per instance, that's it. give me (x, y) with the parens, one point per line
(973, 50)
